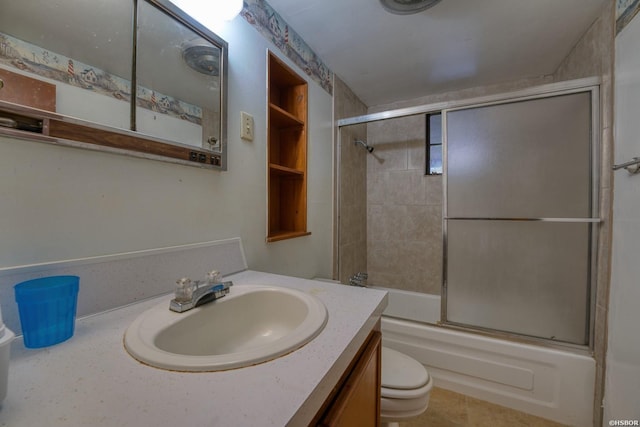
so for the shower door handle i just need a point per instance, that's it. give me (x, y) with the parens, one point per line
(587, 220)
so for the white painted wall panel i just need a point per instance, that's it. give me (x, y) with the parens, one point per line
(622, 386)
(59, 203)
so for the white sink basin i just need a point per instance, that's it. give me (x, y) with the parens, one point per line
(252, 324)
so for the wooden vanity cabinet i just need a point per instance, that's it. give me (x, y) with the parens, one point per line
(356, 399)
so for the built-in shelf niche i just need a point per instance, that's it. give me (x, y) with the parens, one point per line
(287, 152)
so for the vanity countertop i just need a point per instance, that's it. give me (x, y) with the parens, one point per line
(90, 380)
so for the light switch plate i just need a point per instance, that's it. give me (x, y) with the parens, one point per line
(246, 131)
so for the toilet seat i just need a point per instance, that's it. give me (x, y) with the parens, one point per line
(402, 373)
(406, 386)
(392, 393)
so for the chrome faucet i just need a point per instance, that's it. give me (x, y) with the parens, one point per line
(359, 279)
(190, 294)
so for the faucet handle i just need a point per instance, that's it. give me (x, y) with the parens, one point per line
(214, 276)
(184, 289)
(359, 279)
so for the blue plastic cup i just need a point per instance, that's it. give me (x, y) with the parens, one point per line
(47, 308)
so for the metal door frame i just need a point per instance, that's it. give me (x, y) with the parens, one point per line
(594, 218)
(590, 84)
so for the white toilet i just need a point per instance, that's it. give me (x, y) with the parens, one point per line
(406, 387)
(406, 384)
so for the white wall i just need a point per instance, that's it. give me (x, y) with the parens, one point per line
(622, 386)
(59, 203)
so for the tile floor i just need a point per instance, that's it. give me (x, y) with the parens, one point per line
(449, 409)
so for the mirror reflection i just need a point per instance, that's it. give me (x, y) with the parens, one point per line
(178, 77)
(83, 48)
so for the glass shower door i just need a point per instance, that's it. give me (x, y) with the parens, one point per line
(519, 217)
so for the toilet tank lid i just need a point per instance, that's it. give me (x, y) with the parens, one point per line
(402, 372)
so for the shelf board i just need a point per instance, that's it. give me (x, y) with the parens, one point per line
(283, 170)
(282, 118)
(274, 236)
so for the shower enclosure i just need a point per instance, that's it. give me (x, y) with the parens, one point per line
(507, 234)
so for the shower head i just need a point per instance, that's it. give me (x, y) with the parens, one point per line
(364, 144)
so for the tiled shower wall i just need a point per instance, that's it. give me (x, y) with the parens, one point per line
(404, 208)
(351, 239)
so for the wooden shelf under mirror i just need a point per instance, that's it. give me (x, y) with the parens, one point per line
(286, 152)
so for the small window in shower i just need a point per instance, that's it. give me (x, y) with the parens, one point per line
(434, 144)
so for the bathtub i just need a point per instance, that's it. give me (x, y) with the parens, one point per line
(543, 381)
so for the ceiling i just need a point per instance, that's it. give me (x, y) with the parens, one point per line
(456, 44)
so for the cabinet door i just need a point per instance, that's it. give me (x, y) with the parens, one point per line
(358, 403)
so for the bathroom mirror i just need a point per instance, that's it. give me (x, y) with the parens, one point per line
(94, 56)
(178, 77)
(83, 48)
